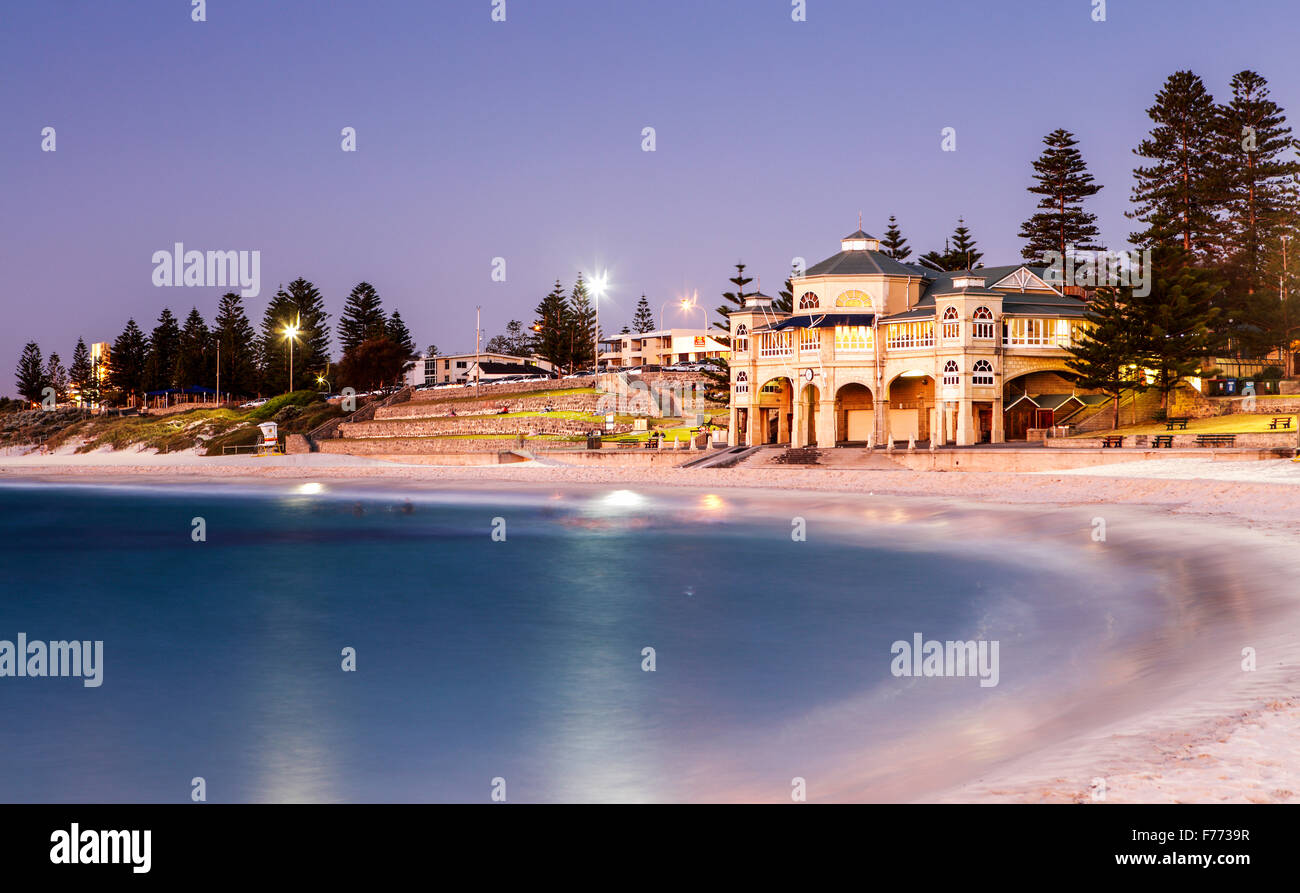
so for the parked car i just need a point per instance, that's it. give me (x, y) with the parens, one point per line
(253, 404)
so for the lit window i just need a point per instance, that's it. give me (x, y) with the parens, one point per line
(904, 335)
(951, 324)
(853, 299)
(808, 301)
(983, 373)
(983, 323)
(950, 373)
(809, 341)
(1036, 332)
(850, 339)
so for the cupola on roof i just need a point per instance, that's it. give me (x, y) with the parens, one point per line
(859, 241)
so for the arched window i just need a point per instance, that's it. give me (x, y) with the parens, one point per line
(742, 383)
(951, 324)
(808, 301)
(983, 373)
(983, 323)
(950, 372)
(742, 338)
(853, 299)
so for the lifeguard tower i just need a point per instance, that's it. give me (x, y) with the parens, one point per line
(269, 445)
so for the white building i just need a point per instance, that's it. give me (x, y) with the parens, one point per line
(662, 347)
(456, 368)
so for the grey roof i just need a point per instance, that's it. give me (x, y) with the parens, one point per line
(914, 313)
(861, 235)
(823, 319)
(1046, 401)
(490, 368)
(860, 263)
(1073, 307)
(1012, 301)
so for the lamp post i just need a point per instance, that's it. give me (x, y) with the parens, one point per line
(689, 304)
(598, 284)
(290, 333)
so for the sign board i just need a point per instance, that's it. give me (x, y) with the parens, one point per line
(609, 421)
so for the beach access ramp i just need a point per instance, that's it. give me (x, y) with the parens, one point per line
(722, 458)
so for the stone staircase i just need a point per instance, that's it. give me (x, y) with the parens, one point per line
(1102, 418)
(456, 420)
(799, 456)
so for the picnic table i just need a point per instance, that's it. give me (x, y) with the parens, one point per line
(1281, 421)
(1165, 441)
(1213, 440)
(1180, 422)
(1112, 441)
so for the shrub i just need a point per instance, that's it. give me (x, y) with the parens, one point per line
(267, 410)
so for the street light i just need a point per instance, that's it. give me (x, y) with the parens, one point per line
(598, 284)
(290, 333)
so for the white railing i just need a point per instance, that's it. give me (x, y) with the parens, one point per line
(776, 344)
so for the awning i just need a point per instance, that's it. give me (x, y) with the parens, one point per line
(827, 320)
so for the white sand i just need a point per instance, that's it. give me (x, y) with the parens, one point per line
(1247, 750)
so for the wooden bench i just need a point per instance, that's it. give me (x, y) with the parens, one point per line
(1180, 423)
(1216, 440)
(1116, 441)
(1165, 441)
(1281, 421)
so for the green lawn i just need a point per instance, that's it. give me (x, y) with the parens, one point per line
(1239, 423)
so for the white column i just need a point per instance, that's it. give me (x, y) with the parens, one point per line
(964, 422)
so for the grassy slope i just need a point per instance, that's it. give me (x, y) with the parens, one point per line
(295, 413)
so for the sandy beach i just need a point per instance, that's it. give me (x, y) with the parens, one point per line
(1239, 744)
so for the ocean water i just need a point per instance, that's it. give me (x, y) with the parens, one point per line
(522, 659)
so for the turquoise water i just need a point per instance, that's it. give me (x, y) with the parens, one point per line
(521, 659)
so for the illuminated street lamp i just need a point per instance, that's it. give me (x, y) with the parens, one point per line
(598, 285)
(290, 333)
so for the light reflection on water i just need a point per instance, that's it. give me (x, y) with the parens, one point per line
(522, 659)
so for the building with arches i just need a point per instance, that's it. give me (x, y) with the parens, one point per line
(877, 349)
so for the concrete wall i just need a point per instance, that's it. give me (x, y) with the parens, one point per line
(405, 446)
(488, 391)
(621, 458)
(431, 409)
(1182, 440)
(428, 427)
(1013, 460)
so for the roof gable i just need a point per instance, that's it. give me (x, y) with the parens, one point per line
(1023, 279)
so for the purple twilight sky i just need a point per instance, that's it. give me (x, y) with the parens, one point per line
(522, 139)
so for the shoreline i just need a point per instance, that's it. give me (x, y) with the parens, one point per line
(1237, 745)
